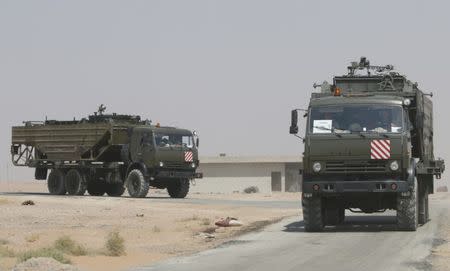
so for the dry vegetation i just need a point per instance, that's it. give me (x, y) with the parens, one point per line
(115, 245)
(90, 231)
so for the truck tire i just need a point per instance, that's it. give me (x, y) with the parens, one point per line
(75, 183)
(178, 188)
(423, 205)
(96, 188)
(115, 189)
(313, 214)
(408, 210)
(55, 182)
(136, 184)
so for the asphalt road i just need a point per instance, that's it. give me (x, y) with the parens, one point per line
(362, 243)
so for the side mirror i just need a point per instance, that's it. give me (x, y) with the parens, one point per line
(294, 120)
(197, 142)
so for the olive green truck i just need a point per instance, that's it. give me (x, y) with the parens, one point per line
(106, 154)
(368, 147)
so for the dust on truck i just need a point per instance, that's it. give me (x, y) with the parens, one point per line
(368, 147)
(106, 153)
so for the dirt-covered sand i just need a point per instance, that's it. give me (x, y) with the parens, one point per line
(154, 228)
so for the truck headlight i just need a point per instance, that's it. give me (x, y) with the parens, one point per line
(317, 167)
(193, 165)
(161, 164)
(394, 166)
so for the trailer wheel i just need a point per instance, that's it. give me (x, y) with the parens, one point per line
(136, 184)
(55, 182)
(178, 188)
(96, 188)
(115, 189)
(75, 182)
(423, 205)
(313, 213)
(408, 210)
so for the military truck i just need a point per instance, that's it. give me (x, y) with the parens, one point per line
(106, 153)
(368, 147)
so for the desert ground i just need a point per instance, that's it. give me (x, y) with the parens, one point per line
(153, 228)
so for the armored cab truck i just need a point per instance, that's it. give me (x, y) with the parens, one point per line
(106, 153)
(368, 147)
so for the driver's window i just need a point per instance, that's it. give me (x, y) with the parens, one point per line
(146, 139)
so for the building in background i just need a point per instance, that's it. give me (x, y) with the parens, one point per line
(228, 174)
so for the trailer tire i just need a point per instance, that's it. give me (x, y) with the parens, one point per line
(178, 188)
(313, 214)
(136, 184)
(408, 210)
(96, 188)
(423, 205)
(75, 183)
(115, 189)
(55, 182)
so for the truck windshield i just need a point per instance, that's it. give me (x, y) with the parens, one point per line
(164, 140)
(356, 118)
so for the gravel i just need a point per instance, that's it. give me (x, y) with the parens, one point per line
(43, 264)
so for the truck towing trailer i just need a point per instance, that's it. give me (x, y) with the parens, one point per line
(106, 153)
(368, 147)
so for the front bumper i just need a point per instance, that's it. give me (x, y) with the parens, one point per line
(169, 174)
(336, 187)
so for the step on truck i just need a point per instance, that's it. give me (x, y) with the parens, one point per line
(107, 153)
(368, 147)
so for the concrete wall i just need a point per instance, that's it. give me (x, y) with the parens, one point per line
(232, 177)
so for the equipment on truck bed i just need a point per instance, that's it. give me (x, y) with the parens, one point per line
(368, 145)
(105, 153)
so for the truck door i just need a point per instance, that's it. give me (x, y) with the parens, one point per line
(135, 145)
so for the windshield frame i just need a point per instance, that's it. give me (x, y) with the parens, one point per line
(403, 125)
(158, 145)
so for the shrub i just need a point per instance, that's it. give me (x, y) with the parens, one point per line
(251, 189)
(115, 244)
(6, 252)
(67, 245)
(43, 252)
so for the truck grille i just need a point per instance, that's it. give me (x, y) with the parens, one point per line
(355, 166)
(171, 164)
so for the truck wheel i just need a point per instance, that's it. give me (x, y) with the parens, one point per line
(313, 213)
(408, 210)
(55, 182)
(423, 205)
(136, 184)
(96, 188)
(178, 188)
(75, 182)
(115, 189)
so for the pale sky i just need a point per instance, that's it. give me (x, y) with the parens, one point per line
(232, 70)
